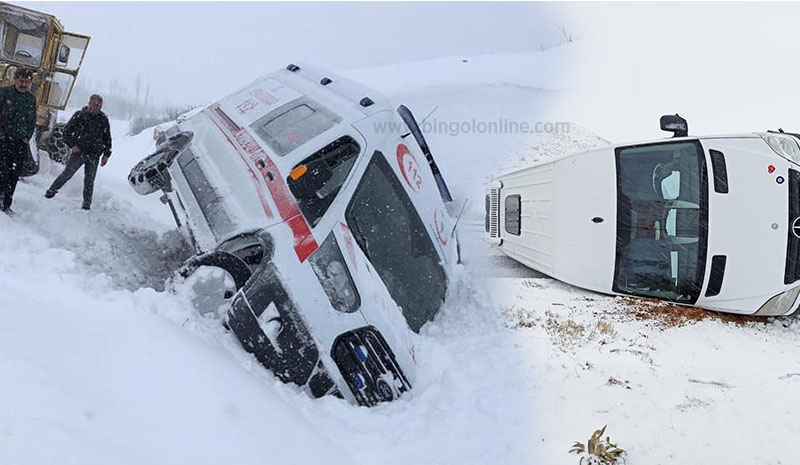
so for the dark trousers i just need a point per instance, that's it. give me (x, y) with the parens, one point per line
(12, 153)
(89, 163)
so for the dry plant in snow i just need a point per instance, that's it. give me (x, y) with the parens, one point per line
(598, 451)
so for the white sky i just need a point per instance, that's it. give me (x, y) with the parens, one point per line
(726, 67)
(198, 51)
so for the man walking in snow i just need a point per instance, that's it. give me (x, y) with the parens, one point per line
(89, 135)
(17, 123)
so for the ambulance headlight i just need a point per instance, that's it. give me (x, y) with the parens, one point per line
(331, 270)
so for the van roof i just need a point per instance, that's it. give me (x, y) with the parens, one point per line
(349, 101)
(308, 80)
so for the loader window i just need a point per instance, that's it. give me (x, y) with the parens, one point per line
(23, 37)
(316, 181)
(71, 51)
(391, 234)
(60, 88)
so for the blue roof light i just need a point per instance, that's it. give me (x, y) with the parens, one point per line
(366, 101)
(293, 68)
(325, 81)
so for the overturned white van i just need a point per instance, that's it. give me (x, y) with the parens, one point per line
(711, 221)
(331, 222)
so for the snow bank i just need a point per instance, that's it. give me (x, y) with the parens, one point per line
(477, 112)
(546, 70)
(95, 374)
(103, 366)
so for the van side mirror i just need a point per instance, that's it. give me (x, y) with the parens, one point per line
(675, 124)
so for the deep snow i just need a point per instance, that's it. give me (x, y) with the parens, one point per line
(100, 365)
(104, 366)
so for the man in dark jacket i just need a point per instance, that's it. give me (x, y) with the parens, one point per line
(89, 135)
(17, 123)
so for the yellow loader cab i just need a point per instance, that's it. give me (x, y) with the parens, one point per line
(36, 40)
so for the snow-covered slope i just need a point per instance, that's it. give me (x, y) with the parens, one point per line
(101, 365)
(94, 374)
(474, 108)
(98, 364)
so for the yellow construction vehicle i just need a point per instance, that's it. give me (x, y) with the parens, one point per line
(36, 40)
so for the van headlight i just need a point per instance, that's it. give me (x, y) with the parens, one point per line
(329, 266)
(780, 304)
(783, 144)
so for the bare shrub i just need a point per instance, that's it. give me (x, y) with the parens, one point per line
(565, 332)
(598, 451)
(566, 33)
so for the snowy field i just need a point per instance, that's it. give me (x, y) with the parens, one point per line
(674, 385)
(100, 365)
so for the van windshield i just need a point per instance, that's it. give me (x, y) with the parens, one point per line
(662, 220)
(391, 234)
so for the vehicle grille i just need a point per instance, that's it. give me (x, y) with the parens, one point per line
(369, 367)
(792, 272)
(494, 213)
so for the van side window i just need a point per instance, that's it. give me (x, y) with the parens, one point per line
(294, 124)
(316, 181)
(513, 213)
(391, 234)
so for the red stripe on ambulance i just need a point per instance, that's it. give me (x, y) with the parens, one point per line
(304, 242)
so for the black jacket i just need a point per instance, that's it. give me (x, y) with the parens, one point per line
(90, 132)
(17, 113)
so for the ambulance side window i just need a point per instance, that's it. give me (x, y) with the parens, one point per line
(316, 181)
(391, 234)
(294, 124)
